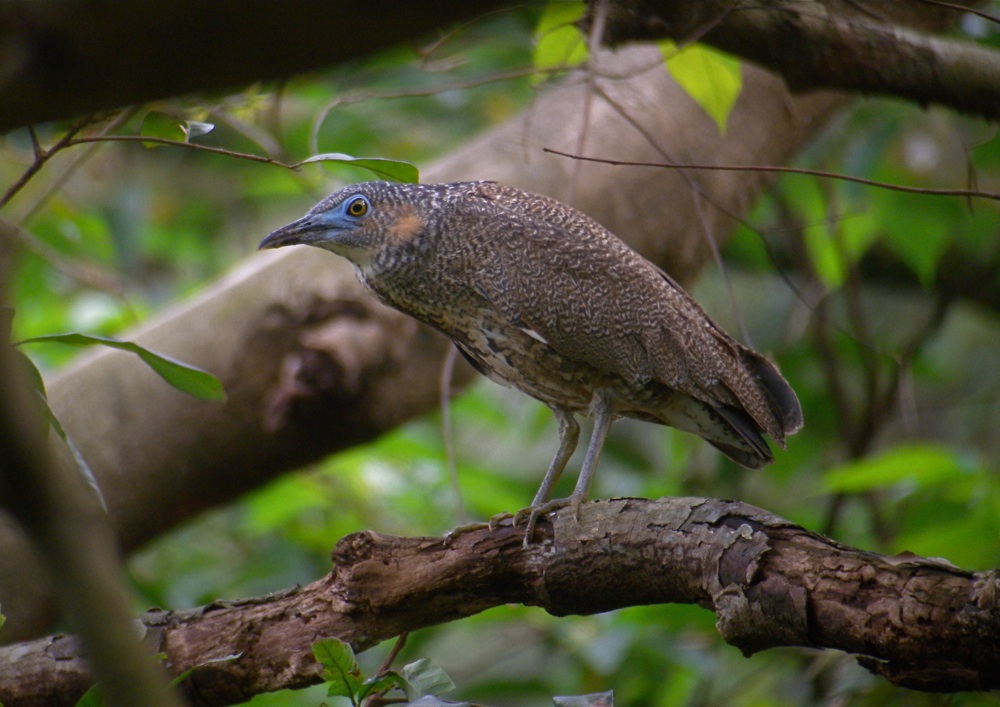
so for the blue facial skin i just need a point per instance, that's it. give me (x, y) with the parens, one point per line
(333, 226)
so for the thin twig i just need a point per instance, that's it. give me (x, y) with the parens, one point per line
(41, 157)
(964, 193)
(185, 145)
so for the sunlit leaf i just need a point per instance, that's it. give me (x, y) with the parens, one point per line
(188, 379)
(712, 78)
(423, 677)
(392, 170)
(559, 40)
(196, 128)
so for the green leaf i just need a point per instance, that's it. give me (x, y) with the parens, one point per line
(188, 379)
(340, 668)
(381, 683)
(424, 677)
(921, 465)
(38, 383)
(167, 127)
(712, 78)
(391, 170)
(559, 40)
(917, 234)
(163, 126)
(91, 698)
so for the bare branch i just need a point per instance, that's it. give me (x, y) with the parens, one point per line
(962, 193)
(920, 623)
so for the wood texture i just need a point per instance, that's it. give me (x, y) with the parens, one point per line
(921, 623)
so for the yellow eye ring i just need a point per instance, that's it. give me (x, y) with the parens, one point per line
(358, 207)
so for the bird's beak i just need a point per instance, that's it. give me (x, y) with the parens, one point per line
(295, 233)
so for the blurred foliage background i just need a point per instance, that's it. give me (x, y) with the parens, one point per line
(899, 377)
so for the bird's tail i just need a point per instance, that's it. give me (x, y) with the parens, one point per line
(781, 400)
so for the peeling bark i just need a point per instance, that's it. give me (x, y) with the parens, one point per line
(921, 623)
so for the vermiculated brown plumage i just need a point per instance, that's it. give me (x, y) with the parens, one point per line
(538, 296)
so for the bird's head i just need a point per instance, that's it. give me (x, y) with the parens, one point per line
(360, 222)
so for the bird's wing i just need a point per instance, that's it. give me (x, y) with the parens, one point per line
(560, 275)
(574, 284)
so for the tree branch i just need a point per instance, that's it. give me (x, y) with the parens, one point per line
(76, 56)
(920, 623)
(829, 44)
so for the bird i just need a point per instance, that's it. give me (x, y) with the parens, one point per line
(538, 296)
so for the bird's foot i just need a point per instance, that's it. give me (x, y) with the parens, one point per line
(495, 521)
(531, 514)
(467, 528)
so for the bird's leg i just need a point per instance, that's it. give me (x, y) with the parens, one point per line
(603, 417)
(569, 435)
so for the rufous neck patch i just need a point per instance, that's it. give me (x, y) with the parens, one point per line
(406, 224)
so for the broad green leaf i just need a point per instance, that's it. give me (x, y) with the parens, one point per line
(391, 170)
(188, 379)
(712, 78)
(381, 683)
(340, 667)
(424, 677)
(559, 40)
(919, 464)
(163, 126)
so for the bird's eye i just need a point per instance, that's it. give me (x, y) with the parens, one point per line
(358, 207)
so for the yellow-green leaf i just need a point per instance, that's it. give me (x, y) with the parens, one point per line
(710, 77)
(559, 41)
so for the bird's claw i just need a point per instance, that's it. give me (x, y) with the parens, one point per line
(531, 514)
(495, 521)
(467, 528)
